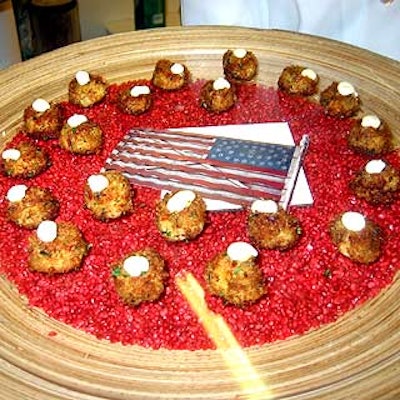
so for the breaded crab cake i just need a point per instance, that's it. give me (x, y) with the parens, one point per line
(24, 160)
(55, 248)
(271, 227)
(168, 75)
(43, 120)
(108, 195)
(239, 65)
(298, 80)
(87, 89)
(29, 206)
(181, 215)
(357, 237)
(135, 100)
(218, 96)
(81, 136)
(141, 276)
(340, 99)
(377, 183)
(235, 276)
(370, 136)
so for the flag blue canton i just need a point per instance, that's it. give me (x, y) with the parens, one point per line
(262, 155)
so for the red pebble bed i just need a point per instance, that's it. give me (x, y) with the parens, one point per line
(308, 286)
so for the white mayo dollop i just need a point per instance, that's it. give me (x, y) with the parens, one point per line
(240, 53)
(221, 83)
(346, 89)
(16, 193)
(40, 105)
(309, 73)
(98, 183)
(375, 166)
(82, 77)
(371, 121)
(11, 154)
(241, 251)
(136, 265)
(264, 206)
(177, 69)
(76, 120)
(139, 90)
(47, 231)
(180, 200)
(353, 221)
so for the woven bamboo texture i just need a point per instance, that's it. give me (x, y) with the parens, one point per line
(358, 357)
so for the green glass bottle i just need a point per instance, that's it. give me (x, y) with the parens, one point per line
(149, 14)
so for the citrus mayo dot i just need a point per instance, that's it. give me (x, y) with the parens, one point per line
(11, 154)
(264, 206)
(346, 89)
(40, 105)
(98, 183)
(309, 73)
(177, 69)
(221, 83)
(139, 90)
(375, 166)
(180, 200)
(82, 77)
(353, 221)
(16, 193)
(239, 53)
(76, 120)
(136, 265)
(371, 121)
(241, 251)
(47, 231)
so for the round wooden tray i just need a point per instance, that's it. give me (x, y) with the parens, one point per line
(356, 357)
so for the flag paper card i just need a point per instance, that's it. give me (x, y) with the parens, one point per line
(229, 172)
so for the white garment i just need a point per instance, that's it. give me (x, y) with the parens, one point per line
(369, 24)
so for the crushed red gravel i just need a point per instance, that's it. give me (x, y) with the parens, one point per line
(308, 286)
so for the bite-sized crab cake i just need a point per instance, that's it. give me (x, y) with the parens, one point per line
(298, 80)
(87, 89)
(271, 227)
(181, 215)
(239, 65)
(370, 136)
(24, 160)
(218, 96)
(377, 183)
(357, 237)
(43, 120)
(56, 248)
(235, 276)
(140, 277)
(29, 206)
(168, 75)
(81, 136)
(340, 99)
(108, 195)
(135, 100)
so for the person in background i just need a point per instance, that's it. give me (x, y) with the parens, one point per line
(370, 24)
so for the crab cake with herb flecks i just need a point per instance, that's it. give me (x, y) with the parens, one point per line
(218, 96)
(235, 276)
(81, 136)
(298, 80)
(140, 277)
(43, 120)
(87, 89)
(24, 160)
(168, 75)
(108, 195)
(271, 227)
(135, 100)
(181, 215)
(56, 248)
(29, 206)
(239, 65)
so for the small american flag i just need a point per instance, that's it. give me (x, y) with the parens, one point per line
(220, 168)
